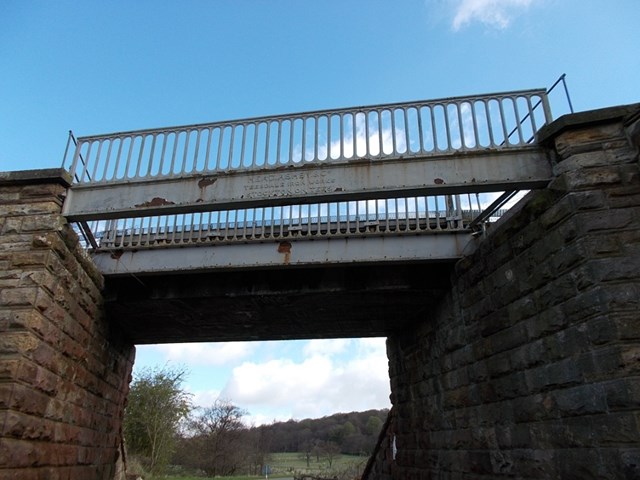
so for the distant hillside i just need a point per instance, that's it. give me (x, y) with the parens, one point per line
(353, 433)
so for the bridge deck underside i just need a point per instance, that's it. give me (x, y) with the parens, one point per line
(270, 304)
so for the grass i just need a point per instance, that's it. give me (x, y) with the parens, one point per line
(295, 462)
(285, 465)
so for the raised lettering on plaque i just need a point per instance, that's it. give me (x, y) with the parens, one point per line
(287, 184)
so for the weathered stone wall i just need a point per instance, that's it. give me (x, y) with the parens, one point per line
(64, 373)
(530, 368)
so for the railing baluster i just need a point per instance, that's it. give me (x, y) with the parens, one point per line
(447, 126)
(474, 119)
(280, 123)
(316, 138)
(503, 122)
(163, 150)
(531, 114)
(106, 161)
(151, 150)
(174, 152)
(139, 162)
(185, 151)
(434, 134)
(194, 168)
(341, 136)
(95, 164)
(303, 141)
(367, 149)
(207, 155)
(420, 134)
(463, 142)
(220, 143)
(406, 132)
(85, 163)
(354, 136)
(348, 137)
(231, 145)
(518, 120)
(292, 130)
(256, 130)
(380, 152)
(242, 146)
(394, 147)
(125, 174)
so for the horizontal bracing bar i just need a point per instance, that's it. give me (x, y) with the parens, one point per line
(513, 169)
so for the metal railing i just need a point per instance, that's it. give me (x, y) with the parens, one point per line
(390, 131)
(398, 131)
(398, 216)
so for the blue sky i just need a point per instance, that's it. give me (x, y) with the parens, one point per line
(99, 67)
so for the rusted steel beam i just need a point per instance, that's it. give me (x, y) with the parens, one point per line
(390, 249)
(464, 172)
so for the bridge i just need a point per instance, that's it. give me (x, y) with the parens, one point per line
(387, 173)
(286, 223)
(512, 344)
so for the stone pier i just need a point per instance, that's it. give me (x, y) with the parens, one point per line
(64, 372)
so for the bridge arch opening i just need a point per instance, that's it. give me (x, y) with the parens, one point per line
(280, 380)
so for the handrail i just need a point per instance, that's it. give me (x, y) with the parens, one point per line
(387, 131)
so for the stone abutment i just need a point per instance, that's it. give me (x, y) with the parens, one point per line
(64, 372)
(530, 366)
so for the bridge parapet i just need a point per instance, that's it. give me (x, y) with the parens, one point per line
(387, 170)
(390, 131)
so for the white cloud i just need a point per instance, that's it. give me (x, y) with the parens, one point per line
(494, 13)
(374, 346)
(326, 347)
(206, 353)
(203, 398)
(318, 385)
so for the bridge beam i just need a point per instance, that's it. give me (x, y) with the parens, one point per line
(460, 172)
(443, 246)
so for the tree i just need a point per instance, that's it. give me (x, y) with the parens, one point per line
(221, 438)
(330, 451)
(348, 429)
(374, 425)
(259, 447)
(155, 406)
(307, 451)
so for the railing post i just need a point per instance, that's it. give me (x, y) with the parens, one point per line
(546, 107)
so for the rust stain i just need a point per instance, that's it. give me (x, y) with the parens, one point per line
(438, 181)
(116, 254)
(155, 202)
(205, 182)
(285, 247)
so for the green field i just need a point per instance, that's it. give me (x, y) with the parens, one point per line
(286, 465)
(295, 462)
